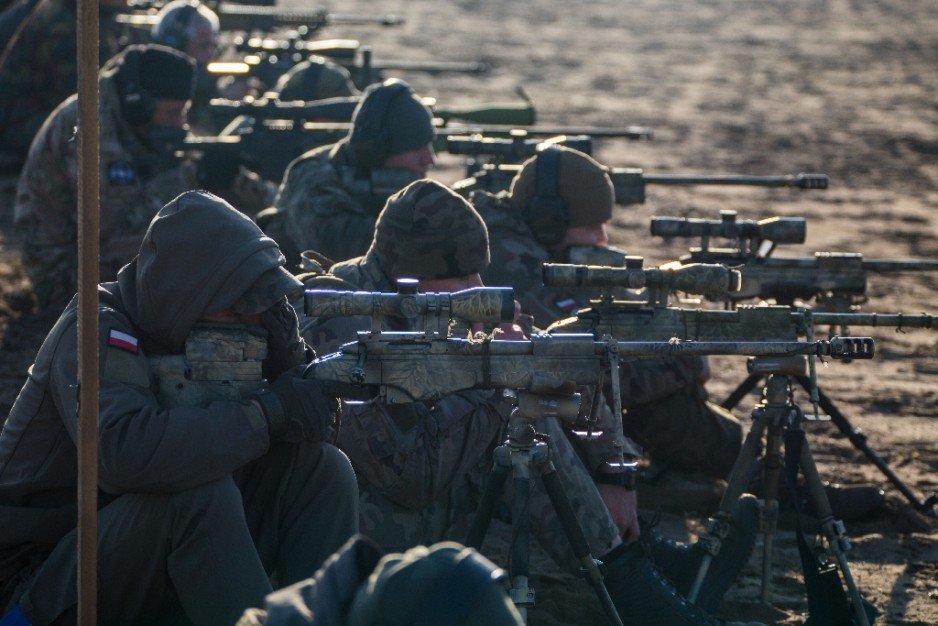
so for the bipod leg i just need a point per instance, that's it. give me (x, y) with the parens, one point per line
(737, 482)
(576, 537)
(519, 567)
(494, 487)
(833, 529)
(859, 441)
(741, 391)
(768, 518)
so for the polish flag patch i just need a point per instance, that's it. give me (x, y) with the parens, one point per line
(117, 339)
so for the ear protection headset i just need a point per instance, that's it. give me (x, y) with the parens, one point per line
(136, 104)
(547, 212)
(172, 31)
(370, 133)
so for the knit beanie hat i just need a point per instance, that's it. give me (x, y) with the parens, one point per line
(389, 120)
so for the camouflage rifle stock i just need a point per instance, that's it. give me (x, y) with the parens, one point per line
(429, 364)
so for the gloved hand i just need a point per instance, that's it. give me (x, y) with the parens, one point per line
(285, 347)
(218, 167)
(296, 408)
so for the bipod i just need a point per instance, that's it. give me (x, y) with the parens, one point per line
(525, 451)
(853, 434)
(775, 415)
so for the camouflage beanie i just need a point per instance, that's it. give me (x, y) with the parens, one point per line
(583, 184)
(389, 120)
(315, 79)
(427, 231)
(444, 584)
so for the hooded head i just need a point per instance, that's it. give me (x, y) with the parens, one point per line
(426, 231)
(444, 584)
(562, 188)
(200, 255)
(389, 120)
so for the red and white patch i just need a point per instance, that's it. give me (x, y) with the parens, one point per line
(117, 339)
(566, 305)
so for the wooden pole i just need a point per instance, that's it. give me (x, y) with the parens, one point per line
(88, 245)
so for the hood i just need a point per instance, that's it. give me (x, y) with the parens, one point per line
(199, 253)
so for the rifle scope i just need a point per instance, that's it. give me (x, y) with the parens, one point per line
(696, 278)
(777, 229)
(478, 304)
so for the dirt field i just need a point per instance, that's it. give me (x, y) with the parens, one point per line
(841, 87)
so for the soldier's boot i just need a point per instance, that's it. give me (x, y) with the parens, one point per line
(643, 597)
(679, 562)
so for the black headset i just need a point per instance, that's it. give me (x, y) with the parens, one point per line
(370, 133)
(136, 104)
(172, 31)
(547, 214)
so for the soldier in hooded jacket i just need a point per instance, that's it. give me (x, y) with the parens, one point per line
(211, 479)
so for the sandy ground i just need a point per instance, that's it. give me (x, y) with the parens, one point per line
(841, 87)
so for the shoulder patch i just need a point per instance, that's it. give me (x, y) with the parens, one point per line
(123, 341)
(121, 173)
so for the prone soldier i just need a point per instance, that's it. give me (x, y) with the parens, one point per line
(331, 196)
(145, 93)
(422, 466)
(210, 479)
(558, 206)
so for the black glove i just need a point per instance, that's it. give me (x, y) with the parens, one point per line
(285, 347)
(218, 167)
(296, 408)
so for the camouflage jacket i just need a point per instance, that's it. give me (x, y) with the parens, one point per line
(38, 69)
(404, 451)
(315, 211)
(135, 183)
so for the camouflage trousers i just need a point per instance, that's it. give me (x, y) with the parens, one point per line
(448, 513)
(686, 432)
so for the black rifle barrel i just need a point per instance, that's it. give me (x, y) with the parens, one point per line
(892, 320)
(900, 265)
(801, 181)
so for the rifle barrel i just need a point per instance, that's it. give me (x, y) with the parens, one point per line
(893, 320)
(801, 181)
(900, 265)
